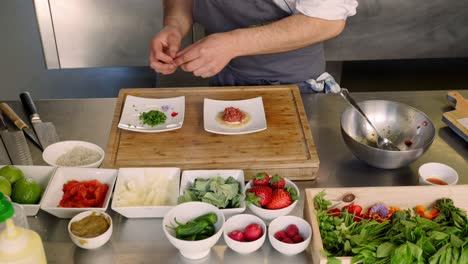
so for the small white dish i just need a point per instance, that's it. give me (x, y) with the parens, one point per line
(268, 214)
(253, 107)
(239, 222)
(62, 175)
(141, 176)
(54, 151)
(189, 177)
(92, 242)
(173, 108)
(40, 174)
(184, 213)
(438, 171)
(281, 223)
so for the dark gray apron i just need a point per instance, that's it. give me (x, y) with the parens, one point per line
(286, 67)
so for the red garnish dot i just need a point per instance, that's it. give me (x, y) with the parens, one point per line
(424, 123)
(174, 114)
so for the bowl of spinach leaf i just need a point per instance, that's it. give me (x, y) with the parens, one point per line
(221, 188)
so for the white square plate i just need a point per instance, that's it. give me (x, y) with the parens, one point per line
(141, 176)
(253, 107)
(189, 176)
(62, 175)
(134, 106)
(41, 175)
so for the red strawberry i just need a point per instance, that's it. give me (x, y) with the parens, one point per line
(297, 239)
(287, 240)
(259, 195)
(253, 232)
(261, 179)
(292, 230)
(277, 182)
(280, 199)
(280, 235)
(237, 235)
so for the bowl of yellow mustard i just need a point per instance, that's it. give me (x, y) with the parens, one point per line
(90, 229)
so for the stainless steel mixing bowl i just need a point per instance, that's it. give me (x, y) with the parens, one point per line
(410, 129)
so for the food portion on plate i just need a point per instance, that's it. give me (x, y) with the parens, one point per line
(271, 192)
(152, 187)
(220, 192)
(199, 228)
(83, 194)
(78, 156)
(152, 115)
(91, 226)
(21, 189)
(233, 117)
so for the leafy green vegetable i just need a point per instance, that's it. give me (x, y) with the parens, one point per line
(153, 118)
(216, 191)
(407, 238)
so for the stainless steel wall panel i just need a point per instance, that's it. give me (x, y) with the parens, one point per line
(403, 29)
(93, 33)
(46, 29)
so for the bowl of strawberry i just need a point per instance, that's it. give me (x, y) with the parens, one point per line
(271, 196)
(244, 233)
(289, 234)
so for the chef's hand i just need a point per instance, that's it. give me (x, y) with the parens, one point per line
(164, 48)
(208, 56)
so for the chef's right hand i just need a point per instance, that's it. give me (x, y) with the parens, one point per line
(164, 48)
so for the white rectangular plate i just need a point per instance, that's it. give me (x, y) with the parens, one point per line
(173, 108)
(189, 176)
(253, 107)
(139, 175)
(41, 175)
(401, 196)
(62, 175)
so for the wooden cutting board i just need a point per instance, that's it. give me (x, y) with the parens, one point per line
(454, 118)
(286, 147)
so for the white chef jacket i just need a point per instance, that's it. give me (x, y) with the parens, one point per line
(324, 9)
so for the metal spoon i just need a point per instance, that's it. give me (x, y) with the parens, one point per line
(382, 143)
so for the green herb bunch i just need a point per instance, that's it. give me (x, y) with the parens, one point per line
(407, 238)
(153, 118)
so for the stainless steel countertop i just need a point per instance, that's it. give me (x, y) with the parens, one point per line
(143, 241)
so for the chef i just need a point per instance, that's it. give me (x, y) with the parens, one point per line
(251, 42)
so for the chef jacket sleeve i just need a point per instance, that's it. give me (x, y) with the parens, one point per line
(326, 9)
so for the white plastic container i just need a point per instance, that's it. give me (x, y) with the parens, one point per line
(18, 245)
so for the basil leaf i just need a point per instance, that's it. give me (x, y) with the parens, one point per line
(385, 249)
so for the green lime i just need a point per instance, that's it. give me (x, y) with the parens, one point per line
(26, 191)
(11, 173)
(5, 186)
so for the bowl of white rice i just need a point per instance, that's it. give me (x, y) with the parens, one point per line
(74, 154)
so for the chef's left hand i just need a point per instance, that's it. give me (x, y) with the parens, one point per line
(208, 56)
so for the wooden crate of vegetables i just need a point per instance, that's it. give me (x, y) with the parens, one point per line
(410, 224)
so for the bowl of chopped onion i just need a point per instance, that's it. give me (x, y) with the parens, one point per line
(74, 154)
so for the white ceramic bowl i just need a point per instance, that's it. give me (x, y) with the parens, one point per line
(62, 175)
(281, 223)
(239, 222)
(54, 151)
(184, 213)
(189, 176)
(40, 174)
(268, 214)
(438, 171)
(141, 176)
(93, 242)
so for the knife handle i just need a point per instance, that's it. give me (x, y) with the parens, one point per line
(2, 122)
(13, 116)
(30, 107)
